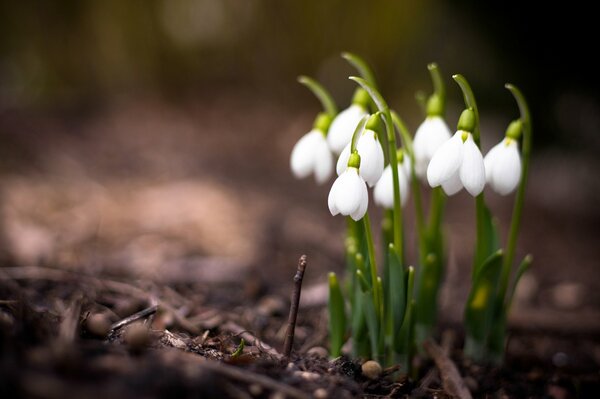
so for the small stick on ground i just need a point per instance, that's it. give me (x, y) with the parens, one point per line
(134, 317)
(291, 328)
(246, 376)
(248, 337)
(451, 380)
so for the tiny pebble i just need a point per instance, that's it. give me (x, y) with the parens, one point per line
(98, 324)
(371, 369)
(320, 393)
(318, 351)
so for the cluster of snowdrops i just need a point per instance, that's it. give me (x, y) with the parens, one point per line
(388, 317)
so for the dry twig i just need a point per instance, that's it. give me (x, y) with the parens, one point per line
(134, 317)
(291, 328)
(451, 380)
(248, 337)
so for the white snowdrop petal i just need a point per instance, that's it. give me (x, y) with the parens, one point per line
(364, 204)
(349, 193)
(507, 169)
(446, 161)
(333, 209)
(384, 189)
(453, 185)
(489, 161)
(430, 135)
(323, 162)
(472, 169)
(342, 162)
(343, 126)
(439, 133)
(303, 154)
(371, 157)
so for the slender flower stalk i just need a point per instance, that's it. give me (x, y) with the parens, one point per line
(391, 137)
(484, 246)
(520, 197)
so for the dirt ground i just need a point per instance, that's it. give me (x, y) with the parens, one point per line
(189, 212)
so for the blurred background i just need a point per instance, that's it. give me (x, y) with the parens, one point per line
(153, 137)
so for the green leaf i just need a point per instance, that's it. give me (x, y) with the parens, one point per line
(372, 324)
(429, 281)
(361, 66)
(397, 289)
(523, 267)
(321, 93)
(358, 323)
(337, 316)
(488, 241)
(480, 307)
(403, 339)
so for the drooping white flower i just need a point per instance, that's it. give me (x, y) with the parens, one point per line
(349, 195)
(384, 189)
(342, 127)
(371, 155)
(457, 163)
(310, 155)
(503, 166)
(430, 136)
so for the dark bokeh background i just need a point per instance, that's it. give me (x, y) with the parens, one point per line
(69, 53)
(154, 136)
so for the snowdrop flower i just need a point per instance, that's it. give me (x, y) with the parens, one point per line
(342, 127)
(458, 162)
(311, 153)
(371, 154)
(384, 189)
(503, 162)
(430, 136)
(349, 195)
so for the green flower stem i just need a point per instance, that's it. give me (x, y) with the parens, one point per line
(438, 198)
(419, 217)
(438, 84)
(520, 197)
(470, 102)
(372, 265)
(389, 126)
(361, 66)
(321, 93)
